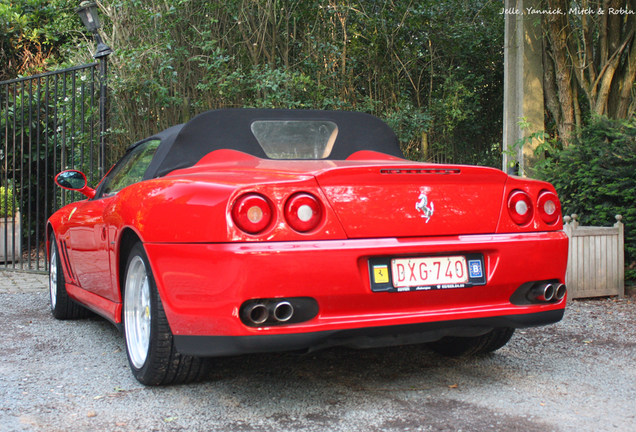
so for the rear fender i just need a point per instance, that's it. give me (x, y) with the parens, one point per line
(171, 210)
(198, 210)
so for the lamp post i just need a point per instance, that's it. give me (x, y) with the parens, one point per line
(88, 13)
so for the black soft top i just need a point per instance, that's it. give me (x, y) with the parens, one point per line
(186, 144)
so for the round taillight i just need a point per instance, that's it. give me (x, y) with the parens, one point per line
(549, 207)
(520, 207)
(252, 213)
(303, 212)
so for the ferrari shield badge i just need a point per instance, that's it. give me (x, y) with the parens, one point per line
(423, 207)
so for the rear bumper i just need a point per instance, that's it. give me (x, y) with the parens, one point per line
(202, 286)
(368, 337)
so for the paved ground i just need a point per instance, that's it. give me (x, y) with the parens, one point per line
(21, 282)
(578, 375)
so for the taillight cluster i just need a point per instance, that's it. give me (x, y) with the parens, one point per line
(303, 212)
(254, 213)
(549, 207)
(521, 208)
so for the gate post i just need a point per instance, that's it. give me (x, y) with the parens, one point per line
(88, 13)
(103, 104)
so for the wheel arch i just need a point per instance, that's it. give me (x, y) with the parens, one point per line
(47, 239)
(127, 240)
(52, 227)
(53, 235)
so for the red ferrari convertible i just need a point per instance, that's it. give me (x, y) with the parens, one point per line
(249, 230)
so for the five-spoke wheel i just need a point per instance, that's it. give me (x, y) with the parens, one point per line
(137, 312)
(152, 355)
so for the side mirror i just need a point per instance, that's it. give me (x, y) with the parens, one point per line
(76, 181)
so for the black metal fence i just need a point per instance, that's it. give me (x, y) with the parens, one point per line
(48, 123)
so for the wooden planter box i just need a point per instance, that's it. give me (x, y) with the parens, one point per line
(596, 260)
(10, 239)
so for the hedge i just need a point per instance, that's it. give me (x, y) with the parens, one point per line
(595, 177)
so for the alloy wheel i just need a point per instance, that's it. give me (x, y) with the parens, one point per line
(137, 312)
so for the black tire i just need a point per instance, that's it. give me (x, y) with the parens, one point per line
(62, 306)
(452, 346)
(150, 347)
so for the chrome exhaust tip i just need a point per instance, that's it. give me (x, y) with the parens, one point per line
(560, 292)
(257, 313)
(279, 311)
(283, 311)
(543, 293)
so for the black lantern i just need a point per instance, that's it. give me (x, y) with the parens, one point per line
(88, 13)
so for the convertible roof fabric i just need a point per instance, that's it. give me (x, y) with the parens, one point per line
(184, 145)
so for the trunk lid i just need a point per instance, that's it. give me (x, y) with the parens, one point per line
(403, 200)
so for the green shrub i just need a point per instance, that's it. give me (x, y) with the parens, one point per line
(595, 177)
(6, 202)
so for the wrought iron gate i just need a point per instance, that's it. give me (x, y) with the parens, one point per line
(48, 123)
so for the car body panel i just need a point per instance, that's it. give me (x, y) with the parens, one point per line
(89, 247)
(382, 200)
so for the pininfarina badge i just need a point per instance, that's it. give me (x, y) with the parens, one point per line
(421, 206)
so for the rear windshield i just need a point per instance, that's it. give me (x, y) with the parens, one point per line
(295, 139)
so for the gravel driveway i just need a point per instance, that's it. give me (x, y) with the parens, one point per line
(578, 375)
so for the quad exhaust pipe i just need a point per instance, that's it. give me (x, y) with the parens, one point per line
(257, 313)
(273, 311)
(546, 292)
(269, 312)
(282, 311)
(543, 292)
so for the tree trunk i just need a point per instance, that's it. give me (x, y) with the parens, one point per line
(599, 50)
(559, 30)
(550, 92)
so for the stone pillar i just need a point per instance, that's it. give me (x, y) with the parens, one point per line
(523, 83)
